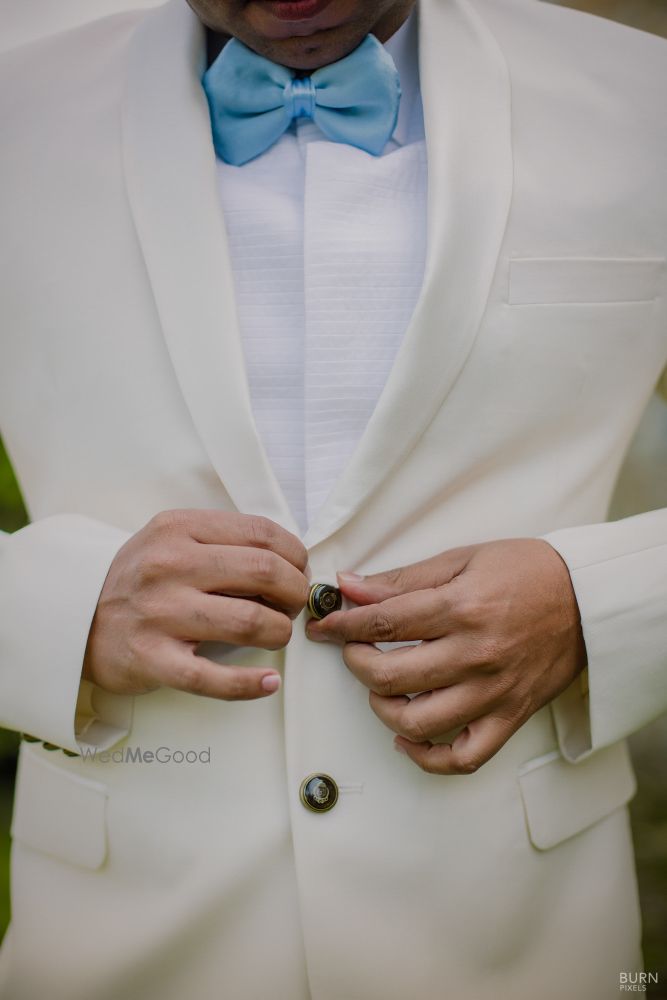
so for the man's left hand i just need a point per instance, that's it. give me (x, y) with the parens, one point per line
(500, 637)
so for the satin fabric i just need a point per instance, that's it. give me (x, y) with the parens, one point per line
(253, 100)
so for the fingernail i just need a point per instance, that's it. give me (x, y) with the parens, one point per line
(313, 635)
(399, 748)
(350, 577)
(271, 683)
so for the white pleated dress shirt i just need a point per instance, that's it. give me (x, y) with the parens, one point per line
(327, 246)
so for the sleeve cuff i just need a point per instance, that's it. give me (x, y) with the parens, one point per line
(101, 719)
(619, 575)
(51, 576)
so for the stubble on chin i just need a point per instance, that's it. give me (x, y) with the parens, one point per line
(304, 52)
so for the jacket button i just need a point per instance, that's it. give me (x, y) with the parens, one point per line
(324, 599)
(319, 793)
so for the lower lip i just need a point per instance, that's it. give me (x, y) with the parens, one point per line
(295, 10)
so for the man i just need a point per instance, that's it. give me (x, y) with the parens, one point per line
(250, 374)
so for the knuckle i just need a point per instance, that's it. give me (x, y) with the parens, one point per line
(246, 620)
(220, 566)
(384, 627)
(192, 677)
(352, 657)
(382, 681)
(428, 764)
(261, 531)
(395, 577)
(433, 675)
(168, 521)
(488, 652)
(145, 573)
(283, 633)
(302, 597)
(457, 717)
(468, 763)
(150, 610)
(414, 730)
(187, 561)
(265, 566)
(203, 621)
(301, 556)
(158, 563)
(467, 609)
(159, 522)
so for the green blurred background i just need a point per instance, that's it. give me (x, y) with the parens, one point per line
(12, 517)
(649, 808)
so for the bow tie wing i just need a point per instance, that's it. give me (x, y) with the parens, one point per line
(253, 100)
(358, 97)
(243, 86)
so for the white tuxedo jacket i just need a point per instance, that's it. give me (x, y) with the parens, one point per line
(539, 336)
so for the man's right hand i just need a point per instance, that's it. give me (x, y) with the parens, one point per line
(191, 576)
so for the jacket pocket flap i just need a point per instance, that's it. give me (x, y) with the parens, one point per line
(545, 280)
(561, 799)
(59, 813)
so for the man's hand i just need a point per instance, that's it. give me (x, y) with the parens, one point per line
(501, 637)
(190, 576)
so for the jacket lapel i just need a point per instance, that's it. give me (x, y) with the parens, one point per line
(466, 97)
(171, 180)
(172, 186)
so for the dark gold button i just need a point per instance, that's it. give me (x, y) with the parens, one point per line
(319, 793)
(324, 599)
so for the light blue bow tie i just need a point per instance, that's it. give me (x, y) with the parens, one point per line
(253, 100)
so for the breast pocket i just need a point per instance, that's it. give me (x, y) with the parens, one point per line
(57, 812)
(584, 280)
(580, 328)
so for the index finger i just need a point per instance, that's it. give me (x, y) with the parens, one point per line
(217, 527)
(422, 614)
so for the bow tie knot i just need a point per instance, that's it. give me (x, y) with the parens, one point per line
(300, 97)
(253, 100)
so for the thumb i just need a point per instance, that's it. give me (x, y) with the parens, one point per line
(433, 572)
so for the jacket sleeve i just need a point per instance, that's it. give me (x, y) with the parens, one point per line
(51, 576)
(619, 574)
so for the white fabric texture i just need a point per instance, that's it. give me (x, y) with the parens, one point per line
(327, 245)
(496, 421)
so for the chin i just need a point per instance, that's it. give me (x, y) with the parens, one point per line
(307, 53)
(335, 28)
